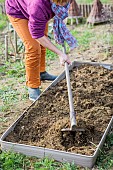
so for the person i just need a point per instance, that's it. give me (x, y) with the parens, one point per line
(30, 20)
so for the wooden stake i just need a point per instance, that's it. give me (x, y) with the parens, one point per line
(6, 47)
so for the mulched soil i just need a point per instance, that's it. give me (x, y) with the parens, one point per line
(92, 89)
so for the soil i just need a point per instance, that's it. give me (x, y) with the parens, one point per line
(92, 89)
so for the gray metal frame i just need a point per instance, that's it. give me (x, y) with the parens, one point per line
(62, 156)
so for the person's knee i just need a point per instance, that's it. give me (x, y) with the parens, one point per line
(32, 48)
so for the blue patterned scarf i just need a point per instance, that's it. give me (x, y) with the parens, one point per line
(61, 33)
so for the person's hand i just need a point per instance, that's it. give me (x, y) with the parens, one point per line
(64, 58)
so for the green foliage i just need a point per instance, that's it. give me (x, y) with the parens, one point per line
(50, 55)
(4, 108)
(91, 1)
(8, 95)
(3, 21)
(16, 69)
(2, 0)
(105, 161)
(15, 73)
(47, 164)
(84, 38)
(3, 119)
(11, 161)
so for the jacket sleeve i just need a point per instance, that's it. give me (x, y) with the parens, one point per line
(37, 21)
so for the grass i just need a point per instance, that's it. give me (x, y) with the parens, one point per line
(16, 161)
(91, 1)
(3, 22)
(50, 55)
(14, 69)
(11, 161)
(14, 73)
(83, 38)
(105, 161)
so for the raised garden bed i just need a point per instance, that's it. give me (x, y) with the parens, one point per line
(38, 130)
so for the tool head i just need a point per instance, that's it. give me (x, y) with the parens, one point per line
(73, 129)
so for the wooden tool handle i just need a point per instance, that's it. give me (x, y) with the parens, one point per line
(72, 113)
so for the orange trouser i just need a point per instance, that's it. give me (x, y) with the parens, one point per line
(34, 52)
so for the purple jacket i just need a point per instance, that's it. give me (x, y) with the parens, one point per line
(38, 12)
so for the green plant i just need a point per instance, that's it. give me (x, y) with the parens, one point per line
(50, 55)
(84, 38)
(4, 108)
(14, 74)
(3, 21)
(1, 0)
(105, 160)
(11, 161)
(15, 69)
(47, 164)
(3, 119)
(91, 1)
(50, 164)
